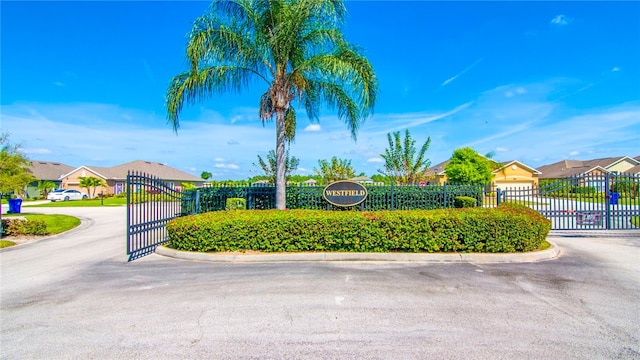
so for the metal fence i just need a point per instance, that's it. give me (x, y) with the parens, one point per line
(598, 201)
(151, 203)
(392, 197)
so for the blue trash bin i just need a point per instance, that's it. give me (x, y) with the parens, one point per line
(613, 198)
(14, 206)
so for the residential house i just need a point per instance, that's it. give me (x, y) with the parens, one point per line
(595, 167)
(362, 180)
(311, 182)
(115, 177)
(45, 171)
(508, 175)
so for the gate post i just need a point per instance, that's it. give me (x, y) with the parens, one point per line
(198, 201)
(392, 195)
(498, 195)
(444, 193)
(607, 202)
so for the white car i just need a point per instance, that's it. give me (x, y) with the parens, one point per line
(66, 195)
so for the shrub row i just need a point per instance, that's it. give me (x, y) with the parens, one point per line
(508, 228)
(23, 227)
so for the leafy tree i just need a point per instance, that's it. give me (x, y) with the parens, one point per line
(205, 175)
(269, 167)
(335, 169)
(46, 186)
(381, 179)
(469, 167)
(15, 174)
(90, 183)
(188, 186)
(402, 164)
(295, 47)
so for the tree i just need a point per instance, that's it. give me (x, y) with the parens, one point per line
(46, 186)
(378, 178)
(401, 162)
(296, 47)
(15, 174)
(90, 183)
(469, 167)
(269, 167)
(205, 175)
(188, 186)
(335, 169)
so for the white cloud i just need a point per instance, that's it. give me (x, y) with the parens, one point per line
(461, 72)
(218, 159)
(615, 69)
(521, 90)
(574, 153)
(313, 127)
(39, 151)
(226, 166)
(561, 20)
(501, 149)
(375, 160)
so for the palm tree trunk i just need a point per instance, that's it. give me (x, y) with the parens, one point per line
(281, 185)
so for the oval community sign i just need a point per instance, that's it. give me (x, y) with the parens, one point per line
(344, 193)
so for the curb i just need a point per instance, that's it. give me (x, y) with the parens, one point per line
(548, 254)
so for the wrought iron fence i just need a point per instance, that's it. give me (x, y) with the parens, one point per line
(392, 197)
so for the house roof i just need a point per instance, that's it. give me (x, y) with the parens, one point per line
(48, 170)
(437, 169)
(159, 170)
(633, 170)
(514, 162)
(361, 179)
(567, 168)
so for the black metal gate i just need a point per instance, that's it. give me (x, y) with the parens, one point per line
(151, 203)
(598, 201)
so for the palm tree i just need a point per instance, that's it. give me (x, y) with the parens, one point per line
(401, 161)
(90, 183)
(45, 187)
(295, 47)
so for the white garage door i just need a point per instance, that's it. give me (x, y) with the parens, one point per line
(515, 185)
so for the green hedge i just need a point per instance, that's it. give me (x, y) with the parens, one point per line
(464, 202)
(507, 228)
(23, 227)
(236, 204)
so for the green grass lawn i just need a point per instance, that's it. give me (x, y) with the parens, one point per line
(6, 243)
(113, 201)
(55, 223)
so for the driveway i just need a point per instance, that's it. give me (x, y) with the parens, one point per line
(75, 296)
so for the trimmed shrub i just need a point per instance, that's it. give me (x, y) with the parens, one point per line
(464, 202)
(236, 204)
(23, 227)
(508, 228)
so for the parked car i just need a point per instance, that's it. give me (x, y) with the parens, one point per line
(66, 195)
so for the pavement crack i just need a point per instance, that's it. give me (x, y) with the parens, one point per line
(200, 331)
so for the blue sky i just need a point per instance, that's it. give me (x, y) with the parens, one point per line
(84, 83)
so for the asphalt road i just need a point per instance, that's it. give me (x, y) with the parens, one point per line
(75, 296)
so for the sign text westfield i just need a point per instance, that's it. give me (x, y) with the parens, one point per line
(344, 193)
